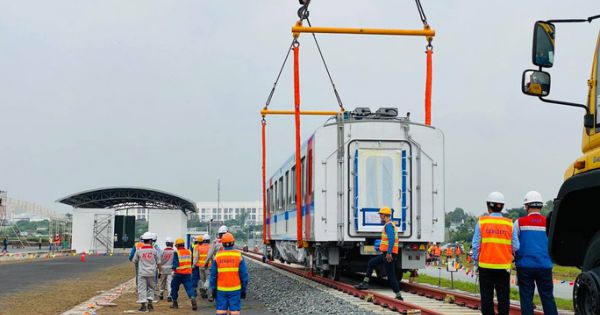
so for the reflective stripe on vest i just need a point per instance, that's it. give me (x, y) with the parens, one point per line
(496, 242)
(185, 262)
(228, 267)
(383, 247)
(202, 253)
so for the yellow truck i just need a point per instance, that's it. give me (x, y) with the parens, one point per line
(574, 223)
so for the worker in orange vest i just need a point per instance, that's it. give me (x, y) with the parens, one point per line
(200, 262)
(389, 253)
(494, 244)
(182, 274)
(228, 277)
(449, 251)
(457, 252)
(197, 241)
(437, 253)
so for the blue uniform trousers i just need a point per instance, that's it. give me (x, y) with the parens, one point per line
(195, 277)
(527, 279)
(186, 280)
(228, 300)
(390, 269)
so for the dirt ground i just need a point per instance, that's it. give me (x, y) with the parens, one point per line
(56, 297)
(126, 304)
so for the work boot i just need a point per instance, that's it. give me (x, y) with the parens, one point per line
(211, 298)
(161, 297)
(194, 304)
(399, 296)
(150, 306)
(364, 285)
(169, 299)
(174, 305)
(143, 308)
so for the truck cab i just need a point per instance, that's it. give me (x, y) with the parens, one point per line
(574, 223)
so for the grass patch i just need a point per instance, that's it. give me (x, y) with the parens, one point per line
(558, 272)
(58, 296)
(562, 304)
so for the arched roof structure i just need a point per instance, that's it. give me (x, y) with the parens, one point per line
(128, 198)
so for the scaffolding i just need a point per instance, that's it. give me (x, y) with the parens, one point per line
(103, 234)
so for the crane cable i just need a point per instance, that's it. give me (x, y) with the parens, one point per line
(429, 65)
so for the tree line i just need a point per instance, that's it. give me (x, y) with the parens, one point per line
(464, 223)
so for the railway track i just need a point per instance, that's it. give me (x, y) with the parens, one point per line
(418, 299)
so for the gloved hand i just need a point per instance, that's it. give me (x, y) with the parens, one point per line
(243, 294)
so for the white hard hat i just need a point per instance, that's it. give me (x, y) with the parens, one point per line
(206, 237)
(495, 197)
(223, 229)
(533, 198)
(154, 236)
(169, 240)
(147, 236)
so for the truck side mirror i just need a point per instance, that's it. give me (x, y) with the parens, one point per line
(543, 44)
(536, 83)
(588, 121)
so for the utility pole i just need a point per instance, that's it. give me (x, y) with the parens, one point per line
(218, 197)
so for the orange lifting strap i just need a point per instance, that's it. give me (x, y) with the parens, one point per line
(298, 162)
(428, 79)
(264, 178)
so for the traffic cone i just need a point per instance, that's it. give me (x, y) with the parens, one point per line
(83, 257)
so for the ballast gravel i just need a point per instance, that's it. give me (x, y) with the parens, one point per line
(284, 295)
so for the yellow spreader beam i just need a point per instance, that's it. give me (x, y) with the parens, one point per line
(266, 112)
(427, 32)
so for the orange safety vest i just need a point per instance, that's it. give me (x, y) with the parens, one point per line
(448, 251)
(202, 252)
(458, 252)
(437, 251)
(496, 242)
(228, 270)
(184, 257)
(383, 247)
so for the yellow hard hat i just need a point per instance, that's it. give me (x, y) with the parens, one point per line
(385, 210)
(179, 241)
(199, 238)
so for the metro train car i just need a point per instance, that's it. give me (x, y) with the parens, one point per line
(351, 166)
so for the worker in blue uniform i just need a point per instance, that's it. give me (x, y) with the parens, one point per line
(228, 278)
(534, 267)
(182, 274)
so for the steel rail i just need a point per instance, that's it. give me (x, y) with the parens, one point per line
(460, 299)
(375, 298)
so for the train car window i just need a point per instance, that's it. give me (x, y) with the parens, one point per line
(280, 195)
(303, 170)
(268, 200)
(275, 197)
(293, 185)
(379, 181)
(287, 189)
(310, 172)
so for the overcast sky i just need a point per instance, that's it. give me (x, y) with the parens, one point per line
(166, 94)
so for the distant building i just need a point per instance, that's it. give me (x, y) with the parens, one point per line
(229, 210)
(13, 218)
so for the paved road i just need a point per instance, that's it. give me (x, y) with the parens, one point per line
(561, 290)
(19, 276)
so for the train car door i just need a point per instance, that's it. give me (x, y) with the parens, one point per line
(379, 176)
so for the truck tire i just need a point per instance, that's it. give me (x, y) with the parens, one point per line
(586, 291)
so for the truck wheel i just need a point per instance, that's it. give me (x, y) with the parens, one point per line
(586, 291)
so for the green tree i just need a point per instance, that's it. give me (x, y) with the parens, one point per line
(549, 206)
